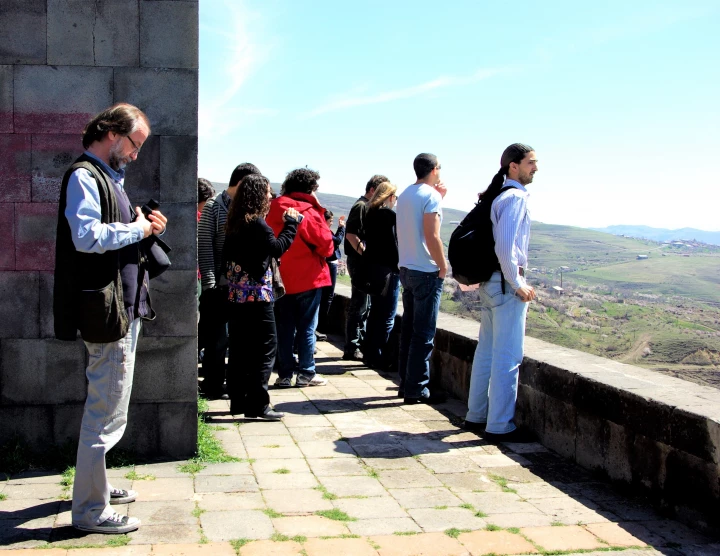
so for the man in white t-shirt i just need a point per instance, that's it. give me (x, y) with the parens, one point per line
(422, 272)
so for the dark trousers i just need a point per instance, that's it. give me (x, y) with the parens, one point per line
(212, 332)
(253, 343)
(357, 314)
(328, 293)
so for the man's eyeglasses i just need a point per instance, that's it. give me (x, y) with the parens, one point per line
(137, 149)
(438, 167)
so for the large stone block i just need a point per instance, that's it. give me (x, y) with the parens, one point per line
(648, 463)
(142, 180)
(66, 423)
(70, 32)
(19, 307)
(35, 229)
(168, 96)
(593, 436)
(33, 425)
(143, 429)
(174, 298)
(181, 234)
(178, 429)
(618, 456)
(530, 410)
(178, 169)
(49, 100)
(117, 35)
(23, 32)
(166, 370)
(6, 99)
(7, 236)
(42, 372)
(560, 427)
(169, 34)
(690, 433)
(47, 324)
(692, 481)
(52, 155)
(15, 168)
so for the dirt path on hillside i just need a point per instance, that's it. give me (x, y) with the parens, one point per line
(636, 352)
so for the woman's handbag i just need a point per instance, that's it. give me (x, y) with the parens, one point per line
(277, 282)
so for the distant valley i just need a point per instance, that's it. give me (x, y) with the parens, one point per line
(663, 234)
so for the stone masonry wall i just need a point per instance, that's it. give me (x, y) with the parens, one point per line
(61, 62)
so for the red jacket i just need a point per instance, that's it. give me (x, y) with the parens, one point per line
(303, 266)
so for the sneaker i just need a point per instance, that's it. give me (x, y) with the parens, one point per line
(320, 337)
(315, 380)
(116, 524)
(268, 415)
(356, 355)
(120, 496)
(283, 382)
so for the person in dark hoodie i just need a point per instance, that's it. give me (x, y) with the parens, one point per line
(250, 245)
(304, 272)
(328, 292)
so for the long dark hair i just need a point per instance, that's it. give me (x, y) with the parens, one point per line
(514, 153)
(250, 202)
(121, 118)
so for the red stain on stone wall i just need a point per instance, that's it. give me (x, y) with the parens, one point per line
(15, 168)
(51, 123)
(7, 236)
(35, 229)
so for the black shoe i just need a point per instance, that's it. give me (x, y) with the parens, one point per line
(320, 337)
(353, 356)
(432, 399)
(471, 426)
(268, 415)
(518, 436)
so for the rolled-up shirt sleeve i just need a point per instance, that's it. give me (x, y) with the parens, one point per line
(83, 213)
(508, 213)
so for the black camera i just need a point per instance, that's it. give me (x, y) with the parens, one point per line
(150, 206)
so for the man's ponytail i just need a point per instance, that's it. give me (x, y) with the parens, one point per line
(514, 153)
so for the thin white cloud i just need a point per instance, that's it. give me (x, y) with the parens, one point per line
(405, 93)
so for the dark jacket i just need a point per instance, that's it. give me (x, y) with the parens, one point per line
(337, 238)
(381, 238)
(355, 225)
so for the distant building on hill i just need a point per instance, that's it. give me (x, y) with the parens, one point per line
(642, 257)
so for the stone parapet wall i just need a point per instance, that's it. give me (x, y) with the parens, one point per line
(61, 62)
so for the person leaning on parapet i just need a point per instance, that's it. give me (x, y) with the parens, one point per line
(101, 289)
(212, 329)
(422, 273)
(499, 352)
(359, 307)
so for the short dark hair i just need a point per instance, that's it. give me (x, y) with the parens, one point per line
(205, 190)
(423, 164)
(373, 182)
(121, 118)
(241, 171)
(328, 214)
(301, 180)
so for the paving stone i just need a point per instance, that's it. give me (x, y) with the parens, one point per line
(236, 524)
(232, 483)
(209, 549)
(375, 451)
(133, 550)
(419, 446)
(269, 465)
(270, 440)
(335, 467)
(180, 488)
(699, 550)
(496, 542)
(32, 478)
(674, 532)
(529, 448)
(235, 449)
(571, 537)
(630, 511)
(424, 497)
(27, 508)
(305, 434)
(346, 547)
(25, 533)
(326, 449)
(275, 481)
(424, 544)
(157, 470)
(163, 513)
(353, 486)
(614, 534)
(469, 481)
(257, 428)
(515, 474)
(281, 452)
(223, 501)
(497, 502)
(534, 491)
(570, 511)
(393, 463)
(498, 460)
(519, 519)
(309, 526)
(163, 534)
(303, 421)
(296, 501)
(34, 491)
(271, 548)
(369, 508)
(230, 468)
(413, 478)
(432, 519)
(448, 464)
(366, 527)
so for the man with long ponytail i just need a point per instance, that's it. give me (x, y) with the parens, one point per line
(494, 378)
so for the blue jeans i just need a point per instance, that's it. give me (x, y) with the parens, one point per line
(380, 322)
(357, 315)
(494, 378)
(297, 313)
(421, 304)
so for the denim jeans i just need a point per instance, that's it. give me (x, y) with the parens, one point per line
(380, 322)
(421, 304)
(297, 313)
(494, 378)
(357, 315)
(110, 375)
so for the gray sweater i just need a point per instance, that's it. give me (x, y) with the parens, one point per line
(211, 238)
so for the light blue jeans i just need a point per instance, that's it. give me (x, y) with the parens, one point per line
(494, 378)
(110, 375)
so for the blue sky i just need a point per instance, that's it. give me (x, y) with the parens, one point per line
(621, 100)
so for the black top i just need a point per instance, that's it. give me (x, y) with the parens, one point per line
(355, 225)
(337, 238)
(381, 238)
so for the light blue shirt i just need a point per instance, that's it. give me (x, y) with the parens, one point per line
(83, 212)
(511, 230)
(412, 204)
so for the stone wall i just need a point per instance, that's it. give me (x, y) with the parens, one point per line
(656, 434)
(61, 62)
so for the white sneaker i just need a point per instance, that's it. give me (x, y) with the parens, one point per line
(120, 496)
(283, 382)
(304, 380)
(116, 524)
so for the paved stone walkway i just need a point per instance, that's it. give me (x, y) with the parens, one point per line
(353, 471)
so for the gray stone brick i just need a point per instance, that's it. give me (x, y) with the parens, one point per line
(178, 429)
(169, 34)
(48, 99)
(35, 228)
(560, 427)
(178, 169)
(166, 370)
(169, 97)
(15, 168)
(70, 34)
(23, 36)
(142, 180)
(52, 155)
(19, 307)
(42, 371)
(7, 236)
(47, 325)
(143, 429)
(6, 99)
(181, 234)
(117, 36)
(66, 422)
(174, 298)
(32, 423)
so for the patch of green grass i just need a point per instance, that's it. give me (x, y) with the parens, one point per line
(327, 495)
(372, 473)
(282, 471)
(135, 476)
(480, 513)
(343, 536)
(372, 543)
(272, 446)
(441, 507)
(198, 511)
(467, 506)
(279, 537)
(237, 544)
(118, 458)
(3, 497)
(491, 527)
(191, 467)
(557, 524)
(66, 481)
(119, 540)
(219, 428)
(454, 532)
(513, 530)
(335, 514)
(356, 496)
(502, 482)
(271, 513)
(405, 533)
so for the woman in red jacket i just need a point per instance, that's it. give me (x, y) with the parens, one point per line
(304, 273)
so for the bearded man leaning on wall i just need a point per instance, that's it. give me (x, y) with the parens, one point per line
(101, 289)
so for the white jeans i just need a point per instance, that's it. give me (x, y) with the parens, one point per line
(110, 376)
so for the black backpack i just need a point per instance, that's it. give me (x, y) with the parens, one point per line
(472, 247)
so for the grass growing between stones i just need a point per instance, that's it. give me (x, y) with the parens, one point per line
(135, 476)
(279, 537)
(327, 495)
(454, 532)
(66, 481)
(282, 471)
(3, 497)
(271, 513)
(405, 533)
(502, 482)
(492, 527)
(335, 514)
(237, 544)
